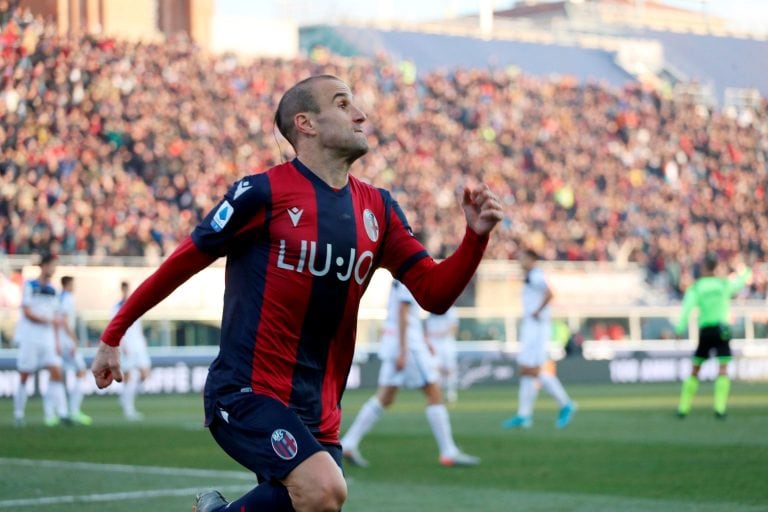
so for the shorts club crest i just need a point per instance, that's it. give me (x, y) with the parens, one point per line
(284, 444)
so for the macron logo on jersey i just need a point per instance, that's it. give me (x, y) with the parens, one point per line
(242, 188)
(222, 216)
(295, 214)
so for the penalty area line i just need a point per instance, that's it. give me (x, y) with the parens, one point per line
(113, 496)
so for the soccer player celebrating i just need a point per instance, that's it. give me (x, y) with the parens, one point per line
(712, 295)
(302, 241)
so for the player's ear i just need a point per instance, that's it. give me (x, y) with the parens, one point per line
(304, 124)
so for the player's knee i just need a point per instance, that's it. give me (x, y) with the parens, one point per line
(327, 495)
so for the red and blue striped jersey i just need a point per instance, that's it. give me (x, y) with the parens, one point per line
(299, 257)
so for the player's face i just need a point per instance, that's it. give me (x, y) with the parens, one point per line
(47, 270)
(340, 120)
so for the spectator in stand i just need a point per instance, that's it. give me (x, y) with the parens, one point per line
(609, 175)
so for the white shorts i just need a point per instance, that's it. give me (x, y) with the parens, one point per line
(134, 357)
(534, 340)
(70, 361)
(420, 370)
(446, 355)
(37, 353)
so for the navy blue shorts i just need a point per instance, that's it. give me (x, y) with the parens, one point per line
(264, 435)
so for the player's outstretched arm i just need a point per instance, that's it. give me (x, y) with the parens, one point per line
(482, 209)
(437, 285)
(106, 365)
(186, 261)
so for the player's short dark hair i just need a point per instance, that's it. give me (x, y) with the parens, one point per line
(65, 280)
(299, 98)
(711, 261)
(47, 258)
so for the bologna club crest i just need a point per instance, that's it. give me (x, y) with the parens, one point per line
(371, 225)
(284, 444)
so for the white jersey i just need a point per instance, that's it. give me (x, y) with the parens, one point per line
(133, 346)
(68, 313)
(442, 328)
(42, 300)
(390, 336)
(534, 291)
(535, 333)
(134, 335)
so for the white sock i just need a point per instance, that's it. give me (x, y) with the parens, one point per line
(527, 396)
(20, 401)
(58, 394)
(437, 415)
(369, 414)
(553, 386)
(128, 396)
(76, 396)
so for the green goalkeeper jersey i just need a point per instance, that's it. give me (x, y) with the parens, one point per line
(712, 295)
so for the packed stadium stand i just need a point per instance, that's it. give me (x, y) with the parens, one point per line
(110, 148)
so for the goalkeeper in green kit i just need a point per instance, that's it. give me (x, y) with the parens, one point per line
(712, 295)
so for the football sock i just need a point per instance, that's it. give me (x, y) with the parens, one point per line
(553, 386)
(76, 396)
(367, 417)
(20, 400)
(54, 400)
(266, 497)
(722, 388)
(437, 415)
(690, 386)
(527, 396)
(128, 397)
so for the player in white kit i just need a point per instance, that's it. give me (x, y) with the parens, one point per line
(406, 361)
(441, 334)
(72, 359)
(135, 361)
(35, 335)
(535, 335)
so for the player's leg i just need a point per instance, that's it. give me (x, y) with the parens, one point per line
(723, 382)
(390, 381)
(526, 397)
(366, 419)
(27, 363)
(77, 392)
(554, 387)
(691, 385)
(55, 397)
(532, 355)
(20, 399)
(440, 423)
(295, 472)
(449, 370)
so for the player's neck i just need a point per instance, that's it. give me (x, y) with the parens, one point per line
(332, 170)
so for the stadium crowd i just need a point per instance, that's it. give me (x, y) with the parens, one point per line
(117, 148)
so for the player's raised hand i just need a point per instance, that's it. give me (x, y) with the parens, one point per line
(106, 365)
(481, 208)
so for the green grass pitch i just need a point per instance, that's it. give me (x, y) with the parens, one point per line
(625, 451)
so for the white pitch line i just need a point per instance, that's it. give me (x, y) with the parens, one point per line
(92, 498)
(125, 468)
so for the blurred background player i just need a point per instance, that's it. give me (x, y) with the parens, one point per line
(535, 334)
(441, 333)
(711, 294)
(38, 345)
(134, 360)
(72, 359)
(406, 360)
